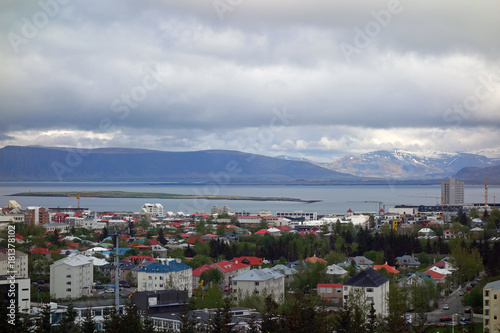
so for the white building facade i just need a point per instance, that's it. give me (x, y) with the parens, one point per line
(172, 274)
(260, 281)
(71, 277)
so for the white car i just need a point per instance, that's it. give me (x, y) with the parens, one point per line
(446, 307)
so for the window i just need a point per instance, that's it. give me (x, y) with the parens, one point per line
(495, 296)
(68, 289)
(329, 290)
(486, 303)
(322, 290)
(486, 293)
(68, 276)
(369, 299)
(68, 283)
(256, 283)
(495, 317)
(235, 283)
(369, 290)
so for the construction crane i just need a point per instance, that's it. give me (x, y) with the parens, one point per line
(485, 189)
(78, 197)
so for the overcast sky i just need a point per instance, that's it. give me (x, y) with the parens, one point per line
(317, 79)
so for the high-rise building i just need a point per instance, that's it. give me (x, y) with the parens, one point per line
(35, 215)
(452, 192)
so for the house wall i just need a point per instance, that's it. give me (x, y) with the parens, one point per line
(68, 281)
(180, 280)
(491, 310)
(376, 294)
(274, 286)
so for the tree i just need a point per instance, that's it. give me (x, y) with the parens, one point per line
(88, 325)
(211, 276)
(467, 261)
(67, 323)
(112, 323)
(43, 323)
(397, 303)
(148, 325)
(188, 322)
(130, 319)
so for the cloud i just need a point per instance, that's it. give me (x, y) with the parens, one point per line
(179, 75)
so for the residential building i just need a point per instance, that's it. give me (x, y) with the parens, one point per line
(408, 261)
(62, 228)
(388, 268)
(452, 192)
(152, 209)
(298, 214)
(374, 285)
(71, 277)
(17, 288)
(259, 281)
(100, 309)
(197, 273)
(335, 270)
(231, 269)
(36, 215)
(13, 261)
(10, 218)
(491, 307)
(171, 275)
(330, 292)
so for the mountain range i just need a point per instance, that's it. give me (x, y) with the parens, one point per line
(30, 163)
(123, 164)
(402, 164)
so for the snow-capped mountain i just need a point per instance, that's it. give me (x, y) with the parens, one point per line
(404, 164)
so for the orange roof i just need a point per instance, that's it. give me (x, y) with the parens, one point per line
(388, 268)
(314, 260)
(435, 275)
(227, 266)
(201, 269)
(252, 261)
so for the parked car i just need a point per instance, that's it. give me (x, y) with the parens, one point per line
(467, 309)
(445, 318)
(446, 307)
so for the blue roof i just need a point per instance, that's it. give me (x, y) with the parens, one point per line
(172, 266)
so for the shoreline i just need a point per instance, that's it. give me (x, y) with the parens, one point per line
(123, 194)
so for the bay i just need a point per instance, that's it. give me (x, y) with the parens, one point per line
(334, 198)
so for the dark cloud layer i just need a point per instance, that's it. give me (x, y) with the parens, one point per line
(188, 75)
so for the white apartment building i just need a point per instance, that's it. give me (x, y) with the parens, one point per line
(5, 220)
(71, 277)
(375, 287)
(18, 286)
(15, 262)
(169, 275)
(152, 209)
(260, 281)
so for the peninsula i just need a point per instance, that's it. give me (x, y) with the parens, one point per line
(123, 194)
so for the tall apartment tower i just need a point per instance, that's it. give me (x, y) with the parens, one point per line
(452, 192)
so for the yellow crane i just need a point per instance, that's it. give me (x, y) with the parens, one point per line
(78, 197)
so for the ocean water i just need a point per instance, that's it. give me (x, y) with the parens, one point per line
(334, 198)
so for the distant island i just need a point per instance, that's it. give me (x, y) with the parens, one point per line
(123, 194)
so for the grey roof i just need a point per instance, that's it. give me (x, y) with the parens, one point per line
(367, 278)
(361, 260)
(284, 269)
(335, 270)
(494, 286)
(408, 260)
(258, 275)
